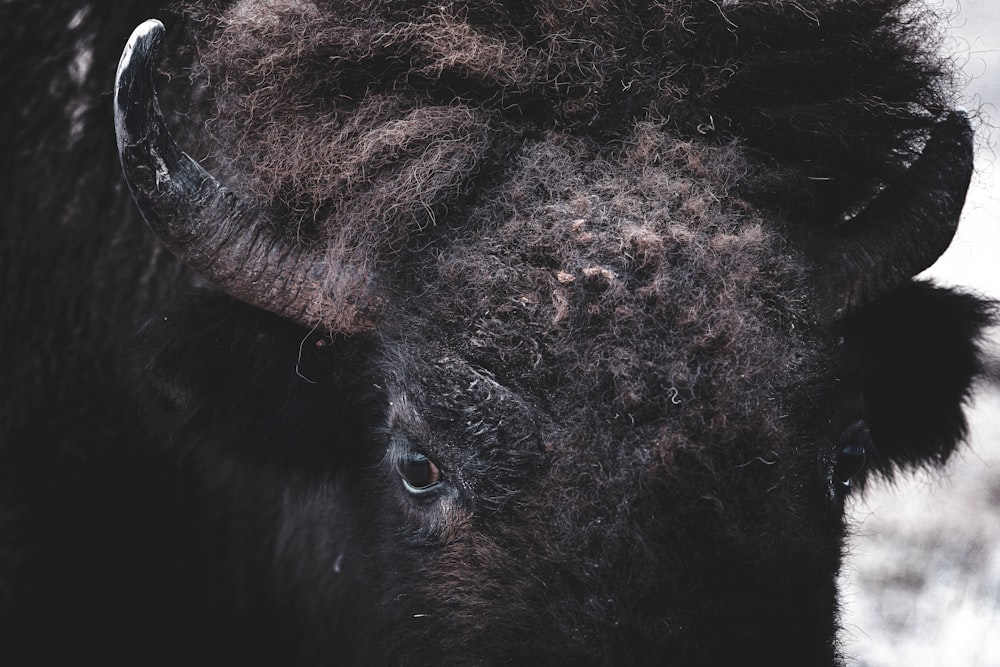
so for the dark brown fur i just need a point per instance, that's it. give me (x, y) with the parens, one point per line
(376, 125)
(589, 222)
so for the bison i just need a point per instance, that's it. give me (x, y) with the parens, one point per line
(550, 332)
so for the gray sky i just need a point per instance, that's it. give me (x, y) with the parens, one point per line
(973, 259)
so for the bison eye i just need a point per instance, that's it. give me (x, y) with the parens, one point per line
(853, 453)
(418, 472)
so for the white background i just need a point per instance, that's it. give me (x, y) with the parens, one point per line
(922, 579)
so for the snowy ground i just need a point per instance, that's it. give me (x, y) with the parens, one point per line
(922, 582)
(922, 585)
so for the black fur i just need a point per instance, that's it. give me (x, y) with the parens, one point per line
(322, 398)
(913, 356)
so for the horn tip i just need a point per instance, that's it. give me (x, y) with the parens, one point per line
(136, 58)
(140, 43)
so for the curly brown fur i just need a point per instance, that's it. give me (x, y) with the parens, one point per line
(372, 124)
(659, 332)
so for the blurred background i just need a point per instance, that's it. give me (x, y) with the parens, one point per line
(922, 578)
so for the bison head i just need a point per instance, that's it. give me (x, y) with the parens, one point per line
(582, 321)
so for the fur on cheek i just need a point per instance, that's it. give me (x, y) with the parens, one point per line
(914, 355)
(200, 369)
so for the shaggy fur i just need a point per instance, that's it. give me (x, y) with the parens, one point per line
(373, 124)
(588, 220)
(915, 409)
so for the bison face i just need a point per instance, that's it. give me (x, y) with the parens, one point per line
(535, 535)
(605, 412)
(401, 504)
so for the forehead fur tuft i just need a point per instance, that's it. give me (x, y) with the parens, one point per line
(640, 294)
(594, 190)
(370, 123)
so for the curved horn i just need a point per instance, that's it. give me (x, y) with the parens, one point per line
(906, 227)
(230, 243)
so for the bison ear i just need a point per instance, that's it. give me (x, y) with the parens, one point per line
(914, 354)
(225, 380)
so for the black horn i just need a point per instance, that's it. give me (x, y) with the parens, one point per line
(229, 242)
(906, 227)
